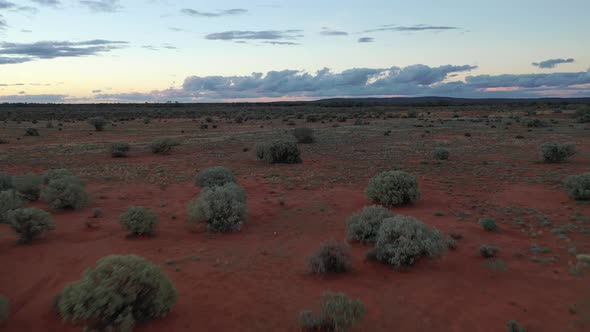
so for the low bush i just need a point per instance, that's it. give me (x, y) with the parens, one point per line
(513, 326)
(9, 200)
(54, 174)
(554, 152)
(583, 114)
(30, 223)
(31, 132)
(163, 145)
(4, 308)
(222, 208)
(440, 154)
(488, 251)
(98, 123)
(121, 291)
(338, 313)
(139, 221)
(364, 225)
(28, 186)
(331, 257)
(402, 241)
(393, 188)
(67, 192)
(489, 224)
(5, 181)
(279, 152)
(214, 176)
(304, 135)
(119, 149)
(578, 186)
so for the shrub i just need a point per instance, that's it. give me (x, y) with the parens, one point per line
(283, 152)
(54, 174)
(441, 154)
(4, 308)
(9, 200)
(139, 221)
(98, 123)
(578, 186)
(513, 326)
(364, 225)
(402, 241)
(223, 208)
(28, 186)
(583, 114)
(393, 188)
(489, 224)
(29, 223)
(214, 176)
(65, 193)
(120, 291)
(488, 251)
(303, 135)
(554, 152)
(163, 145)
(331, 257)
(119, 149)
(31, 132)
(5, 181)
(536, 123)
(338, 313)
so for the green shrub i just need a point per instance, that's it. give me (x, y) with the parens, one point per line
(489, 224)
(120, 291)
(29, 223)
(488, 251)
(393, 188)
(65, 193)
(54, 174)
(513, 326)
(214, 176)
(98, 123)
(554, 152)
(9, 200)
(28, 186)
(304, 135)
(331, 257)
(4, 308)
(440, 154)
(5, 181)
(31, 132)
(578, 186)
(279, 152)
(223, 208)
(402, 241)
(338, 313)
(119, 149)
(364, 225)
(163, 145)
(583, 114)
(138, 221)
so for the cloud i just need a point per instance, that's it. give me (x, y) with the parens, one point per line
(3, 24)
(23, 52)
(219, 13)
(329, 32)
(529, 80)
(412, 28)
(256, 35)
(551, 63)
(366, 40)
(42, 98)
(279, 43)
(50, 3)
(106, 6)
(7, 5)
(96, 91)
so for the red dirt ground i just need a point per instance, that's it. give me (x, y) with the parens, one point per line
(256, 280)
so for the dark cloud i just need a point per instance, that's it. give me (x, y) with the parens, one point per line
(280, 43)
(227, 12)
(366, 40)
(96, 91)
(529, 80)
(551, 63)
(329, 32)
(412, 28)
(50, 3)
(260, 35)
(43, 98)
(102, 5)
(3, 24)
(8, 5)
(23, 52)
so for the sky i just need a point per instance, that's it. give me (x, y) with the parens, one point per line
(79, 51)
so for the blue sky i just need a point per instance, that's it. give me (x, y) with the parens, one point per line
(159, 50)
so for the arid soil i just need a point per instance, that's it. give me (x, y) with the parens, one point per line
(257, 280)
